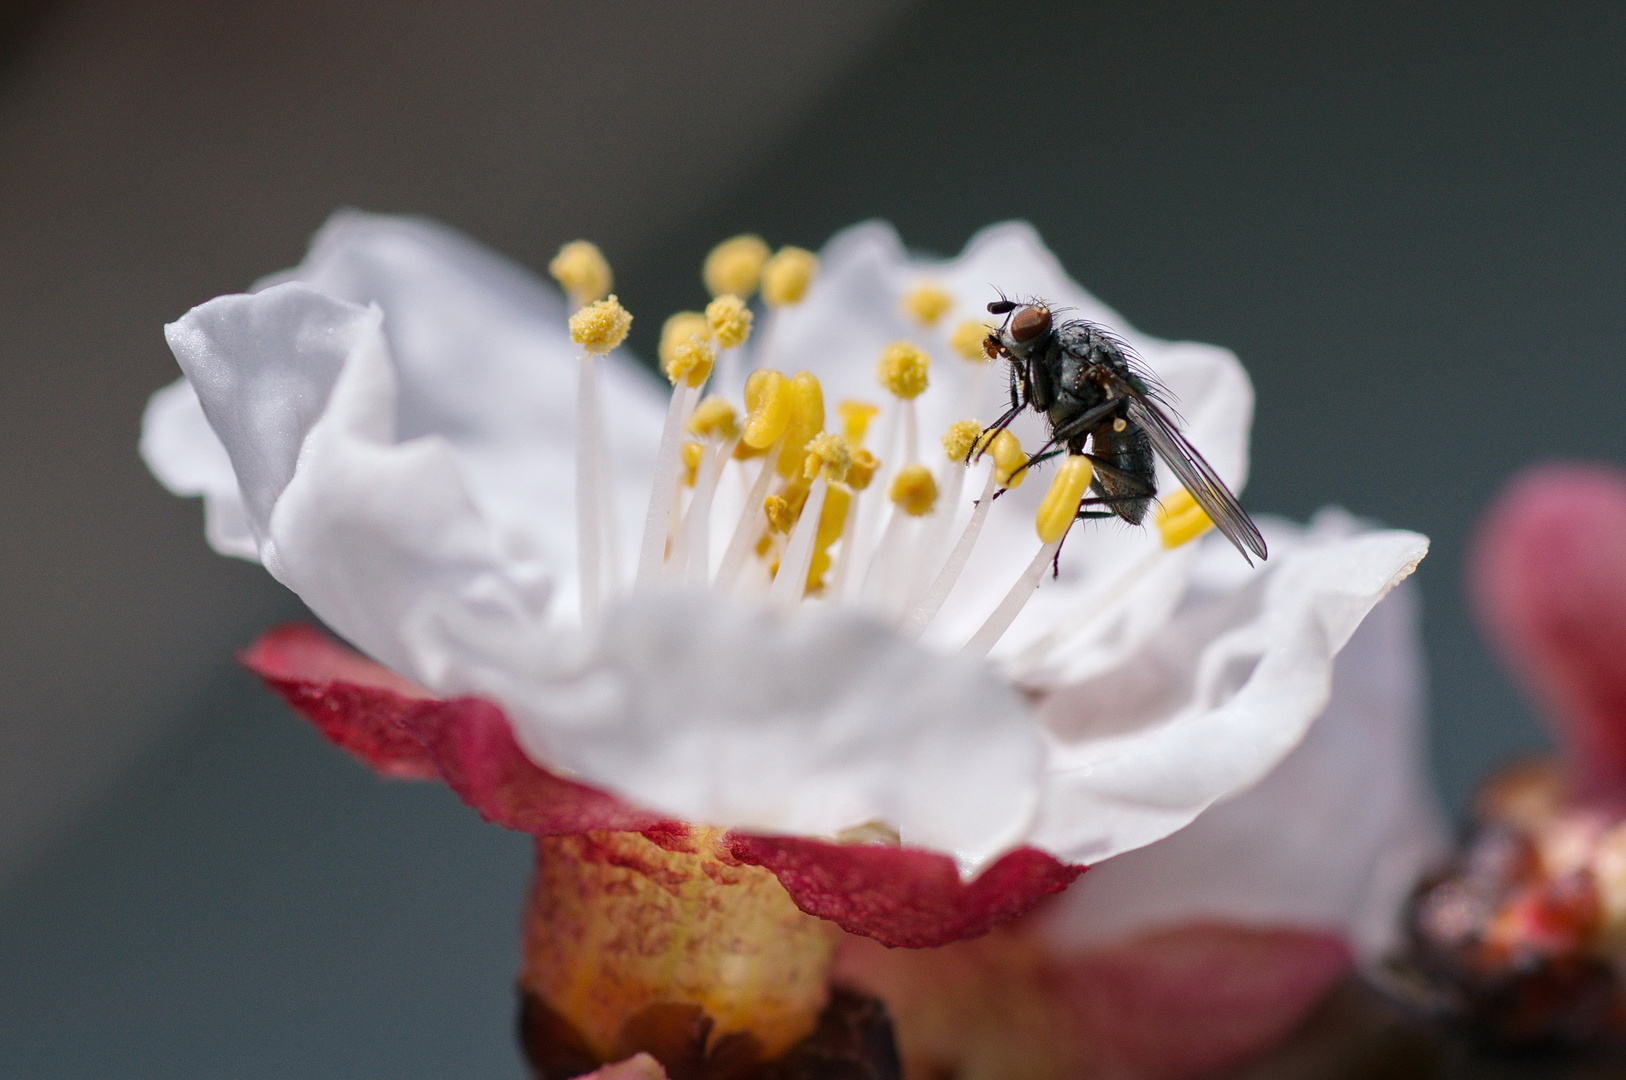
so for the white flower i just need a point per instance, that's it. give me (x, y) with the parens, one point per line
(391, 431)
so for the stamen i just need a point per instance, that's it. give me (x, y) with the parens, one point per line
(663, 487)
(926, 303)
(582, 272)
(828, 458)
(689, 361)
(787, 276)
(913, 493)
(1008, 456)
(961, 436)
(967, 338)
(730, 320)
(1057, 512)
(597, 328)
(691, 454)
(735, 266)
(768, 414)
(1180, 520)
(698, 548)
(859, 475)
(806, 420)
(855, 418)
(903, 370)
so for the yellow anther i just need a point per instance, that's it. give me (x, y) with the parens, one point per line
(902, 370)
(967, 339)
(735, 265)
(914, 490)
(730, 320)
(855, 418)
(582, 272)
(1008, 459)
(681, 327)
(780, 517)
(744, 451)
(786, 276)
(691, 361)
(832, 519)
(693, 452)
(1180, 520)
(961, 436)
(1059, 507)
(601, 326)
(806, 421)
(830, 453)
(862, 469)
(926, 303)
(768, 408)
(714, 418)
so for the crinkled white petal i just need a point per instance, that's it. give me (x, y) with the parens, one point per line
(397, 416)
(1333, 838)
(730, 714)
(1214, 700)
(185, 454)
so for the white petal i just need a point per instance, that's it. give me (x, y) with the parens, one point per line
(185, 454)
(722, 712)
(482, 358)
(1214, 700)
(1333, 838)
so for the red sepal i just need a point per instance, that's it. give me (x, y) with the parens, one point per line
(903, 897)
(898, 896)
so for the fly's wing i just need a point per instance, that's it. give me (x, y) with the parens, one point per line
(1205, 486)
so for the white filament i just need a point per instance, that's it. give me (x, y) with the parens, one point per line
(589, 485)
(662, 489)
(944, 583)
(791, 581)
(752, 519)
(1000, 619)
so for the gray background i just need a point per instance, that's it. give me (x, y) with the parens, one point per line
(1407, 221)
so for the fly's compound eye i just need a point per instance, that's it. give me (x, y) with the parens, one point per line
(1029, 323)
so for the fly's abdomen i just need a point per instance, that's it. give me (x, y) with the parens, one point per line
(1126, 469)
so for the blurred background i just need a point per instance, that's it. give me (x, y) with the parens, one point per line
(1406, 219)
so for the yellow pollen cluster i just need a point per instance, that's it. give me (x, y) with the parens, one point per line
(691, 361)
(582, 272)
(806, 421)
(730, 320)
(1008, 459)
(1059, 507)
(786, 276)
(714, 418)
(780, 516)
(1180, 520)
(914, 490)
(902, 370)
(862, 469)
(961, 436)
(735, 266)
(681, 327)
(855, 418)
(967, 339)
(926, 303)
(767, 408)
(693, 452)
(601, 326)
(829, 452)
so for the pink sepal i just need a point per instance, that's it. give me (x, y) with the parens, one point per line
(1549, 574)
(903, 897)
(898, 896)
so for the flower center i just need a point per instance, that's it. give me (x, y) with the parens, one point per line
(808, 515)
